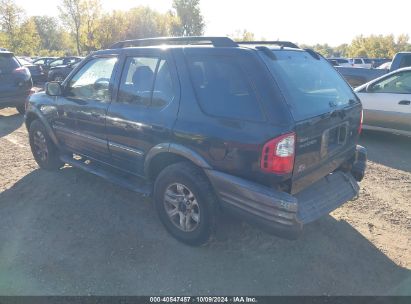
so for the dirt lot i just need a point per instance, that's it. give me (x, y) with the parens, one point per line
(72, 233)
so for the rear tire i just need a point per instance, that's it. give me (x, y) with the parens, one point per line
(21, 109)
(186, 203)
(44, 151)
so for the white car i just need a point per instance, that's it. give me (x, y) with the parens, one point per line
(361, 62)
(341, 61)
(385, 66)
(387, 102)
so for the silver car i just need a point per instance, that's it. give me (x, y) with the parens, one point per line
(387, 102)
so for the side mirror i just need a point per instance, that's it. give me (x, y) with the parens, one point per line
(369, 88)
(53, 88)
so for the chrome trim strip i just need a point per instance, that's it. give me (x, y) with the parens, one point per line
(127, 149)
(84, 136)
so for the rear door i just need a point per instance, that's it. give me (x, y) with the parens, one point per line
(83, 107)
(145, 108)
(8, 80)
(387, 102)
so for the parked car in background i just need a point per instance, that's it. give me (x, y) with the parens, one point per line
(333, 62)
(15, 82)
(62, 61)
(385, 66)
(37, 73)
(361, 63)
(27, 59)
(44, 61)
(359, 76)
(59, 73)
(387, 102)
(341, 61)
(376, 62)
(265, 130)
(3, 50)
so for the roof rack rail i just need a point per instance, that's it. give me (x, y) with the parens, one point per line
(278, 42)
(196, 40)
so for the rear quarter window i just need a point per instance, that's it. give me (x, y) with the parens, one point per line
(223, 88)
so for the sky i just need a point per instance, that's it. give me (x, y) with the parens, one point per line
(308, 22)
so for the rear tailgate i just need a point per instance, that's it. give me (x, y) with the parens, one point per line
(326, 112)
(323, 144)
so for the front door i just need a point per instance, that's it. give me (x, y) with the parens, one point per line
(387, 103)
(83, 107)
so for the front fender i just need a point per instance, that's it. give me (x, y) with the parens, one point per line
(34, 112)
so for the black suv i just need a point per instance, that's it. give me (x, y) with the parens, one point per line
(15, 82)
(265, 130)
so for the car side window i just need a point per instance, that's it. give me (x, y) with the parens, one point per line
(56, 62)
(163, 93)
(92, 81)
(398, 84)
(137, 80)
(223, 89)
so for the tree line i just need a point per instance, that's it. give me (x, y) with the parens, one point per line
(374, 46)
(82, 27)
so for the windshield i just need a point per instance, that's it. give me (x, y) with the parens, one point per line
(311, 87)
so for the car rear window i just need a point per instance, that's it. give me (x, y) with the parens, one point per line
(366, 60)
(223, 88)
(8, 63)
(311, 87)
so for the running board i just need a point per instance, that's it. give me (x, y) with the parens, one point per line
(127, 181)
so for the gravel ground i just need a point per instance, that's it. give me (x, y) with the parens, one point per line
(71, 233)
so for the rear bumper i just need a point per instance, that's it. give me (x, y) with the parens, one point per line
(278, 212)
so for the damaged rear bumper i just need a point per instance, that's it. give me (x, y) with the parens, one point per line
(281, 213)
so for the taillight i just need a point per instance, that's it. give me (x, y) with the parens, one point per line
(278, 155)
(361, 121)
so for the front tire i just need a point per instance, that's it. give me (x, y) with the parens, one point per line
(186, 203)
(44, 151)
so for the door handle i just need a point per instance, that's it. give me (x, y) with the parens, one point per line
(404, 102)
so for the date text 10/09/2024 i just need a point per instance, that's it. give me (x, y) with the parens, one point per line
(208, 299)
